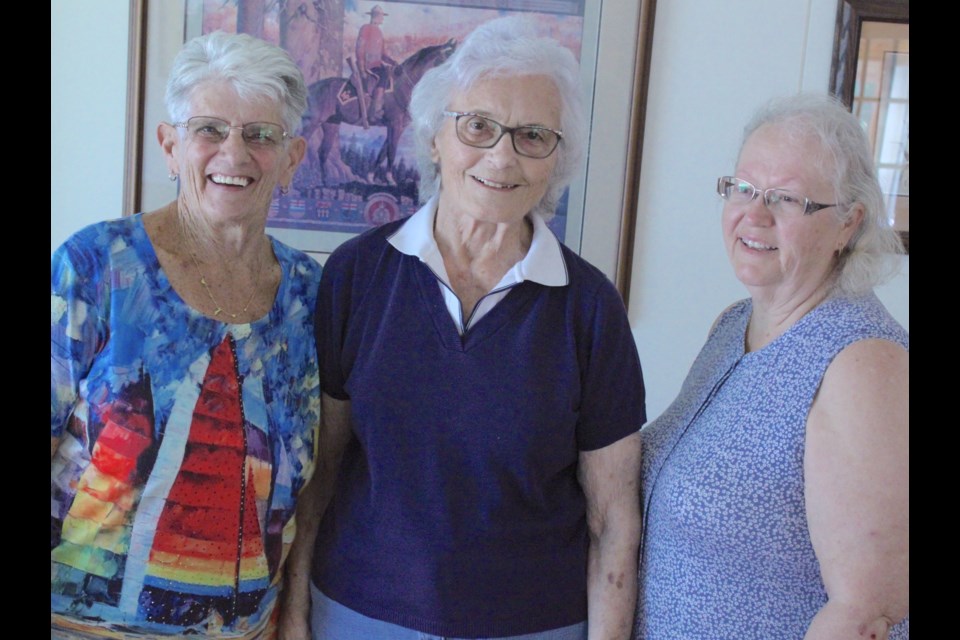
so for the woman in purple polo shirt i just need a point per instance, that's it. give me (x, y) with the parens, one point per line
(482, 393)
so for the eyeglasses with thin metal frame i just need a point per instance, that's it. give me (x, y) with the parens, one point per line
(739, 191)
(530, 140)
(207, 129)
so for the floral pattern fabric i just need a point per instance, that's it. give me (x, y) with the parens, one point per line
(183, 443)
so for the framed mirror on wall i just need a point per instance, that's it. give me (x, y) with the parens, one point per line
(871, 74)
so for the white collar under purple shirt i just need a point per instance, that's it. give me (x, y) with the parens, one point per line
(543, 263)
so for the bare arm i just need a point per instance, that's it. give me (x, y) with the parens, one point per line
(610, 479)
(857, 493)
(333, 438)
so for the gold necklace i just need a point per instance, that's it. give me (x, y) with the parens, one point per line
(218, 308)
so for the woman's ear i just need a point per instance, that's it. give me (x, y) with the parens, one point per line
(296, 150)
(850, 227)
(169, 140)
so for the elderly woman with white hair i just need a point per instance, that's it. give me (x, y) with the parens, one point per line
(185, 391)
(482, 392)
(775, 487)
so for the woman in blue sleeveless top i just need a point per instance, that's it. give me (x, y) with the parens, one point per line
(775, 487)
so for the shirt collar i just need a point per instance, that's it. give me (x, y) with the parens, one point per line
(543, 264)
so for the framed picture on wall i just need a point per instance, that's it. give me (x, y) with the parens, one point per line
(360, 169)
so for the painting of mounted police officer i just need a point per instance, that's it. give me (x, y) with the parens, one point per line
(361, 60)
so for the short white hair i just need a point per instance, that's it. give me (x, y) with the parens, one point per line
(254, 68)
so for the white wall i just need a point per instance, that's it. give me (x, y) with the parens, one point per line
(88, 101)
(712, 65)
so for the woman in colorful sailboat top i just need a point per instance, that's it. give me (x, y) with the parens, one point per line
(184, 385)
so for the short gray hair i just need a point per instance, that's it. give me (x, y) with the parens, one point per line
(870, 257)
(254, 68)
(509, 46)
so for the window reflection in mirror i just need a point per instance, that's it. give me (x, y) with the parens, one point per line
(881, 100)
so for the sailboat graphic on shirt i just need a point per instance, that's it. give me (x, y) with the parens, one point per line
(195, 553)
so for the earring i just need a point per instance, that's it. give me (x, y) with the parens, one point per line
(172, 177)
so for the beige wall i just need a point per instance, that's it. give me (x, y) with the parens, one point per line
(88, 101)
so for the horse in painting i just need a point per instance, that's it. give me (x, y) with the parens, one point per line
(333, 101)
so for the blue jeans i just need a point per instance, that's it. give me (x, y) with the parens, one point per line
(330, 620)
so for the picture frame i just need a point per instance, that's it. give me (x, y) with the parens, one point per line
(874, 83)
(614, 57)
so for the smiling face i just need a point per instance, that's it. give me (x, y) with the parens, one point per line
(784, 258)
(230, 181)
(497, 184)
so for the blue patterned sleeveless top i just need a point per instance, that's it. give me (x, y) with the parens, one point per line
(726, 551)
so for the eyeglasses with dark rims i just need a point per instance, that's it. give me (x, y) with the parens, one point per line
(209, 130)
(778, 201)
(530, 140)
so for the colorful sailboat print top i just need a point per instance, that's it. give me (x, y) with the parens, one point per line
(183, 443)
